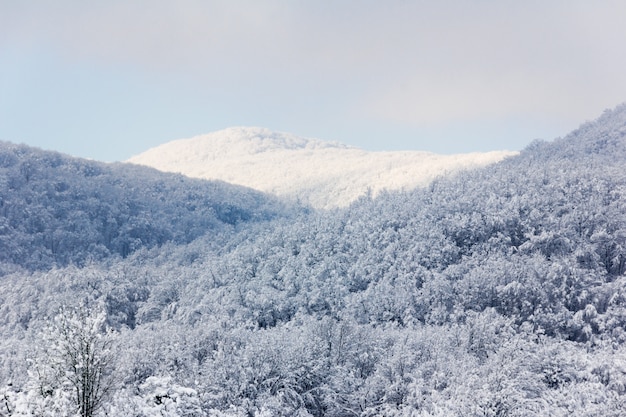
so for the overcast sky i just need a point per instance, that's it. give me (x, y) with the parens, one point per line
(110, 79)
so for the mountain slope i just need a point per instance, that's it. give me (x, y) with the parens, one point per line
(322, 174)
(56, 210)
(498, 292)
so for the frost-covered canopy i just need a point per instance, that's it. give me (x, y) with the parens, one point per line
(498, 292)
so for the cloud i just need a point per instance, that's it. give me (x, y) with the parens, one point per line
(494, 62)
(405, 62)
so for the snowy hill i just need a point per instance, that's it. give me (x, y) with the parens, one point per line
(501, 291)
(322, 174)
(60, 210)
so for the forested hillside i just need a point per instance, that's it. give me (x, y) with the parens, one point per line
(498, 292)
(57, 210)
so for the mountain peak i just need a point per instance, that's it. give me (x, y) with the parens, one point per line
(259, 139)
(238, 141)
(320, 173)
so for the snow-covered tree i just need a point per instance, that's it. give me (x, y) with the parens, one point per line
(75, 361)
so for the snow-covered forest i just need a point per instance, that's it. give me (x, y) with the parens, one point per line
(499, 291)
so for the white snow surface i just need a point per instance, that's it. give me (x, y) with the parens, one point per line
(323, 174)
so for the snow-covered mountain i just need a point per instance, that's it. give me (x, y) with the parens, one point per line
(501, 291)
(320, 173)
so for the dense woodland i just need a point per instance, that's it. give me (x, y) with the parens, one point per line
(57, 211)
(497, 292)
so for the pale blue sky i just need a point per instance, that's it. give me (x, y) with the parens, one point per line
(110, 79)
